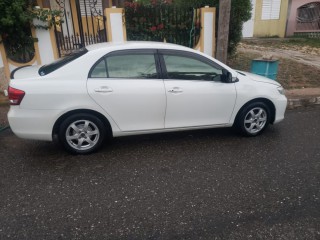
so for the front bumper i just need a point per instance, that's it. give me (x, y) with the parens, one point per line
(281, 106)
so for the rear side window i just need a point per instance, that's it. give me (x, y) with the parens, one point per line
(48, 68)
(136, 66)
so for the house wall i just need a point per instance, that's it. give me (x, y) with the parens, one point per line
(292, 15)
(248, 26)
(265, 28)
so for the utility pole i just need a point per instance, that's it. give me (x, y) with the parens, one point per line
(223, 30)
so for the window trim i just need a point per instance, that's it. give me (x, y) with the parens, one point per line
(181, 53)
(127, 52)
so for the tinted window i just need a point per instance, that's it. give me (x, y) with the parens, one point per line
(99, 71)
(188, 68)
(132, 66)
(126, 66)
(46, 69)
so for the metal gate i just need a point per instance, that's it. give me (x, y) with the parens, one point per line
(83, 23)
(180, 25)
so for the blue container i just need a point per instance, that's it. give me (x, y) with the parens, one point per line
(266, 68)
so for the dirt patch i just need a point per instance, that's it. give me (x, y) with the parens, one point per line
(296, 69)
(309, 46)
(306, 51)
(3, 80)
(4, 108)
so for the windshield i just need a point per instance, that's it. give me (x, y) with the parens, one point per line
(48, 68)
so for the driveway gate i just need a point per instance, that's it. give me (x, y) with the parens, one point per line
(83, 23)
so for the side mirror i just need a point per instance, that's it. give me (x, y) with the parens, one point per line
(227, 77)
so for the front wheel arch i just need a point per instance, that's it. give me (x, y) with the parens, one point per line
(55, 130)
(266, 101)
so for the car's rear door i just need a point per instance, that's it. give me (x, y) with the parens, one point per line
(196, 96)
(127, 86)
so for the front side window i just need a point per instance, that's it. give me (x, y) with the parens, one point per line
(136, 66)
(188, 68)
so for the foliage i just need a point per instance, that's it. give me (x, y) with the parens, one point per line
(46, 18)
(240, 13)
(16, 18)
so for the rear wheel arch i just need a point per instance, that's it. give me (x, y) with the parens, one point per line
(266, 101)
(60, 120)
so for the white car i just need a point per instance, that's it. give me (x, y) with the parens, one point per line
(118, 89)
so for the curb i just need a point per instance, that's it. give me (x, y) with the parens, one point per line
(294, 103)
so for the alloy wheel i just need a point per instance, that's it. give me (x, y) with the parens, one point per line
(82, 135)
(255, 120)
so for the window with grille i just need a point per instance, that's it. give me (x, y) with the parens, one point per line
(270, 9)
(88, 6)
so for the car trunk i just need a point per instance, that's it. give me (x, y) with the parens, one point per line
(25, 72)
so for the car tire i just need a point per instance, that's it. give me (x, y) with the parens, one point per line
(253, 119)
(82, 133)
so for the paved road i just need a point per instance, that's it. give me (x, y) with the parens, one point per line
(207, 184)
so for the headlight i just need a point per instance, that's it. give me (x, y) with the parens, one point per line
(281, 90)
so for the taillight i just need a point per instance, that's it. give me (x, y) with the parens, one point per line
(15, 96)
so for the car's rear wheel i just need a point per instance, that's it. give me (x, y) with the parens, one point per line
(253, 119)
(82, 133)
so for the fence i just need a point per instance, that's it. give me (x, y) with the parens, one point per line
(165, 22)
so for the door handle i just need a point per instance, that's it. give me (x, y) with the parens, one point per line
(175, 90)
(103, 89)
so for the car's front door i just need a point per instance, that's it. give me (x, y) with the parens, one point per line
(127, 86)
(196, 96)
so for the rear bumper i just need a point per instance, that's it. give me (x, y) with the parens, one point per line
(32, 124)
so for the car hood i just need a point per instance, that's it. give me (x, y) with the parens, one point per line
(259, 78)
(26, 72)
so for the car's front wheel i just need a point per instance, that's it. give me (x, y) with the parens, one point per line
(253, 119)
(82, 133)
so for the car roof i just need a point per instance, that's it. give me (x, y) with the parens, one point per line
(136, 45)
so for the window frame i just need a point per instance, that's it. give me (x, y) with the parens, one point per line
(127, 52)
(181, 53)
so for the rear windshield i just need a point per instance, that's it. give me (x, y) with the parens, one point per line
(48, 68)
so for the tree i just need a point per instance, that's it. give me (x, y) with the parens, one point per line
(15, 19)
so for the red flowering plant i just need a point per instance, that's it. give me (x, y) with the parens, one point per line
(160, 20)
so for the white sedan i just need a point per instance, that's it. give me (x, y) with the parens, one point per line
(118, 89)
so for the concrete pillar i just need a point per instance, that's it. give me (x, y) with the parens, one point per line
(207, 41)
(46, 44)
(116, 29)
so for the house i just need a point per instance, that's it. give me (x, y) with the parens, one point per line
(304, 18)
(283, 18)
(268, 19)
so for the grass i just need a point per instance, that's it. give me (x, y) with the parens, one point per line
(291, 75)
(311, 42)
